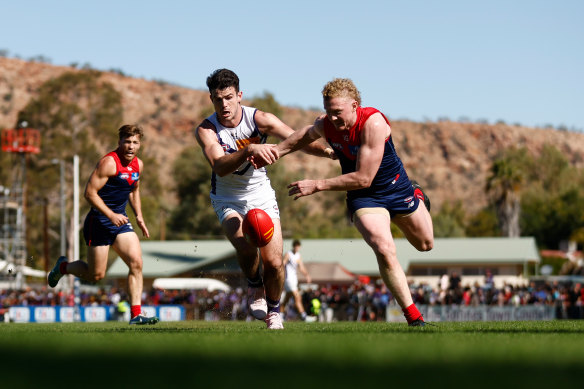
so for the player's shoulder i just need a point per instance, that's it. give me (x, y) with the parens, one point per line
(319, 121)
(375, 120)
(206, 124)
(205, 128)
(264, 119)
(108, 159)
(107, 165)
(140, 163)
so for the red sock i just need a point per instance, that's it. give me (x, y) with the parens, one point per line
(136, 310)
(63, 268)
(412, 314)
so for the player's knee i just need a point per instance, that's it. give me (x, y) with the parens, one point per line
(425, 245)
(136, 266)
(247, 254)
(274, 262)
(383, 248)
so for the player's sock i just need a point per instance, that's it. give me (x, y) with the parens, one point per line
(63, 268)
(303, 315)
(135, 310)
(273, 306)
(256, 281)
(412, 314)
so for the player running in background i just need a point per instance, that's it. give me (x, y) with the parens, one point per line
(229, 138)
(378, 188)
(114, 181)
(293, 263)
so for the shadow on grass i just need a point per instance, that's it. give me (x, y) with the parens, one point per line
(28, 368)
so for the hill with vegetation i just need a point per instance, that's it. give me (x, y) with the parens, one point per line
(78, 111)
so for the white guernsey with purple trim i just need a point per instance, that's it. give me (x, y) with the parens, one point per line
(245, 188)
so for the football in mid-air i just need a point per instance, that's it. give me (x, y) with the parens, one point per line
(258, 227)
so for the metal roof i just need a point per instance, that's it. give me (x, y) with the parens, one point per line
(168, 258)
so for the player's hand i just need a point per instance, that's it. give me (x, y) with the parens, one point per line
(330, 153)
(118, 219)
(262, 155)
(256, 163)
(302, 188)
(143, 227)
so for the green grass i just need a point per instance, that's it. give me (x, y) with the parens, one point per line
(237, 354)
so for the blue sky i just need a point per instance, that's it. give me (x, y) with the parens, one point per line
(515, 60)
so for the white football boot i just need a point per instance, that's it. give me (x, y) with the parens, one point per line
(256, 298)
(274, 321)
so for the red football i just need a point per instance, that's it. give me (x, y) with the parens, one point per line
(258, 227)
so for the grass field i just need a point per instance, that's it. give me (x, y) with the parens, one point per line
(238, 354)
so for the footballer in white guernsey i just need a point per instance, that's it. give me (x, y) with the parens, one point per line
(293, 263)
(231, 138)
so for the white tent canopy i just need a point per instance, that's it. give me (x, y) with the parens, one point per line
(190, 284)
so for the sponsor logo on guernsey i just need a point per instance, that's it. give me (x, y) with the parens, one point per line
(241, 143)
(411, 204)
(135, 176)
(408, 199)
(353, 149)
(124, 176)
(338, 146)
(346, 138)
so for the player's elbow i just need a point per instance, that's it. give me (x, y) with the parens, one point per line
(364, 181)
(221, 172)
(96, 276)
(87, 195)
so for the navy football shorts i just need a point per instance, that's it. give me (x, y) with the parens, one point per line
(98, 230)
(400, 202)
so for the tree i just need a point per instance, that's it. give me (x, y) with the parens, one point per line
(193, 216)
(552, 202)
(267, 103)
(449, 222)
(483, 224)
(507, 177)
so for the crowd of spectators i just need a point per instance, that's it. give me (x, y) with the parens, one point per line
(359, 301)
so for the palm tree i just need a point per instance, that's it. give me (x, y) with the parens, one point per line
(504, 187)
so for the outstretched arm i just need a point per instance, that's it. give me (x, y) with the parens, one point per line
(223, 163)
(271, 125)
(136, 204)
(304, 137)
(373, 137)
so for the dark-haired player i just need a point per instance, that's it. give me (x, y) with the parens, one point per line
(229, 138)
(113, 183)
(378, 188)
(292, 263)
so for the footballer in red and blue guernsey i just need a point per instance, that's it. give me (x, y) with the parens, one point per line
(114, 182)
(378, 188)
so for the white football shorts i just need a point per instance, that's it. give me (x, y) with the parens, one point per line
(291, 284)
(267, 203)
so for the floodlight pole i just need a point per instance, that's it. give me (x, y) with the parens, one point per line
(76, 283)
(75, 208)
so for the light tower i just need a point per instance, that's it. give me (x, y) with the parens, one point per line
(20, 141)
